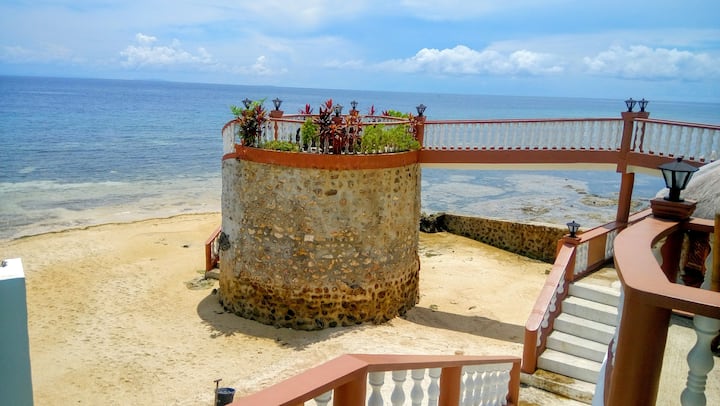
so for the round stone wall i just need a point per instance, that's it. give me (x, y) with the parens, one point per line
(310, 248)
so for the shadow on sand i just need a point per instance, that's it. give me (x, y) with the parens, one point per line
(475, 325)
(222, 323)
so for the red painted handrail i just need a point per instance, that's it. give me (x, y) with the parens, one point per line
(649, 298)
(346, 376)
(211, 258)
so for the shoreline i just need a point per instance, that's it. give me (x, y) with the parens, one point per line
(112, 223)
(505, 195)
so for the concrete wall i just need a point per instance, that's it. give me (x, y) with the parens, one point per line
(313, 248)
(531, 240)
(15, 376)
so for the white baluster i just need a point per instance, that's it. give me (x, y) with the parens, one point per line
(591, 137)
(551, 140)
(477, 398)
(434, 389)
(697, 144)
(467, 387)
(510, 141)
(700, 358)
(492, 384)
(485, 389)
(656, 134)
(531, 132)
(613, 135)
(700, 361)
(507, 142)
(504, 385)
(667, 135)
(581, 258)
(397, 398)
(675, 141)
(444, 136)
(500, 392)
(457, 139)
(706, 141)
(606, 134)
(376, 380)
(416, 393)
(488, 386)
(609, 240)
(430, 136)
(324, 399)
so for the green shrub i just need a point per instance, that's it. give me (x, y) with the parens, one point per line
(378, 137)
(281, 146)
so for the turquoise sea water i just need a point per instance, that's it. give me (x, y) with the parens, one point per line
(77, 152)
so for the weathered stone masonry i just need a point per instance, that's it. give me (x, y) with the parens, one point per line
(315, 248)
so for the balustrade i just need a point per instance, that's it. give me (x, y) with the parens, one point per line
(647, 302)
(555, 134)
(693, 142)
(360, 379)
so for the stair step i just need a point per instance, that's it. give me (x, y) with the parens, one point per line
(569, 365)
(584, 328)
(579, 347)
(560, 384)
(590, 310)
(595, 293)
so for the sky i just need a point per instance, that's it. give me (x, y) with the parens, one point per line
(659, 50)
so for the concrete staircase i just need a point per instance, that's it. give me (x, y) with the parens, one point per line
(571, 362)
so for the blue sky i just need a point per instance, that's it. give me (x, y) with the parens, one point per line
(661, 50)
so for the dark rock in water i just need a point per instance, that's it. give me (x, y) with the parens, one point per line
(432, 223)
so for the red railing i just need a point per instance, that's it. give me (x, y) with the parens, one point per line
(649, 297)
(212, 250)
(576, 258)
(344, 381)
(694, 142)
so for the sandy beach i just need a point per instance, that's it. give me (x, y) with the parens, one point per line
(112, 318)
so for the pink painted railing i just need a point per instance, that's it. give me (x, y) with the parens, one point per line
(649, 296)
(699, 143)
(693, 142)
(212, 250)
(536, 134)
(435, 379)
(576, 258)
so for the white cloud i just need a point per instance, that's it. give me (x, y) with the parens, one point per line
(462, 60)
(147, 54)
(145, 39)
(642, 62)
(47, 54)
(455, 10)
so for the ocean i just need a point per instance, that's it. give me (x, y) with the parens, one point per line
(80, 152)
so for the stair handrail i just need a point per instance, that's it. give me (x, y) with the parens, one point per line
(576, 258)
(347, 377)
(212, 254)
(648, 299)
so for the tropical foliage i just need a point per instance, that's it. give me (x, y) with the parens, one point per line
(329, 131)
(250, 120)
